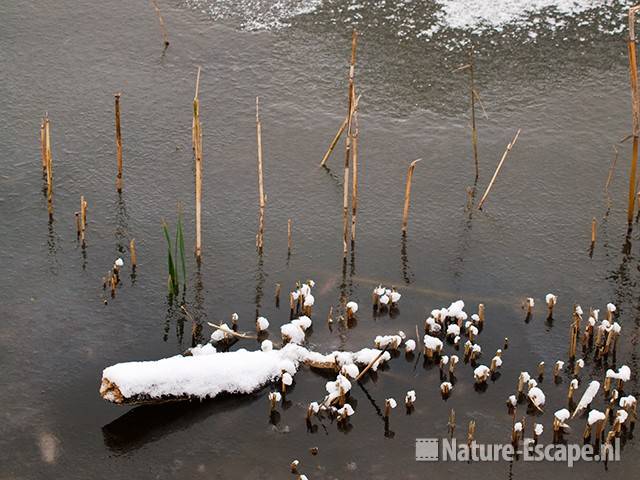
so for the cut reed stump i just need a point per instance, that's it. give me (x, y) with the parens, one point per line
(635, 105)
(118, 142)
(163, 29)
(261, 195)
(132, 253)
(407, 195)
(495, 174)
(196, 138)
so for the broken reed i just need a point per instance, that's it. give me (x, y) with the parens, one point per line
(289, 236)
(173, 249)
(347, 154)
(47, 160)
(407, 195)
(493, 179)
(334, 142)
(196, 139)
(81, 220)
(118, 142)
(132, 253)
(163, 29)
(635, 106)
(261, 196)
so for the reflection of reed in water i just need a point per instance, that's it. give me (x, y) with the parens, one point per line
(52, 246)
(260, 278)
(407, 274)
(122, 225)
(199, 315)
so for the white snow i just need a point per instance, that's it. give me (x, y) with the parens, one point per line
(309, 300)
(432, 343)
(350, 370)
(481, 372)
(595, 416)
(551, 298)
(204, 376)
(453, 330)
(266, 346)
(346, 410)
(391, 341)
(391, 402)
(395, 297)
(352, 307)
(621, 416)
(287, 379)
(119, 262)
(627, 401)
(410, 346)
(411, 396)
(517, 427)
(446, 386)
(611, 307)
(562, 415)
(536, 395)
(538, 428)
(512, 400)
(292, 333)
(588, 395)
(262, 323)
(206, 349)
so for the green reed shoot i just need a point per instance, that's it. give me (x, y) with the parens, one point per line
(173, 250)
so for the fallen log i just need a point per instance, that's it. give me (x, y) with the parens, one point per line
(204, 373)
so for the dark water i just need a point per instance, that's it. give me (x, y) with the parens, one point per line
(567, 91)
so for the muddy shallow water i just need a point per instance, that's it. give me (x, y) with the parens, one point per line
(566, 89)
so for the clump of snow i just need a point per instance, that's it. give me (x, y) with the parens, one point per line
(627, 402)
(517, 427)
(595, 416)
(512, 400)
(346, 411)
(294, 331)
(537, 397)
(206, 349)
(446, 387)
(588, 396)
(410, 346)
(551, 299)
(562, 415)
(623, 373)
(611, 307)
(203, 376)
(538, 428)
(221, 333)
(391, 402)
(352, 307)
(266, 345)
(410, 398)
(262, 324)
(390, 341)
(481, 373)
(119, 262)
(350, 370)
(287, 379)
(432, 343)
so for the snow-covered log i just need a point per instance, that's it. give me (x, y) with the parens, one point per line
(208, 373)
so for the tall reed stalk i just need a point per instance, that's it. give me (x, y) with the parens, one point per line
(163, 29)
(48, 164)
(261, 195)
(348, 143)
(354, 176)
(474, 131)
(635, 106)
(196, 138)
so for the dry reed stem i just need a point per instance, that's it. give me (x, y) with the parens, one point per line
(635, 106)
(163, 29)
(228, 331)
(371, 364)
(196, 138)
(132, 253)
(289, 237)
(83, 218)
(347, 154)
(334, 142)
(49, 164)
(43, 148)
(593, 230)
(407, 195)
(118, 142)
(261, 195)
(493, 179)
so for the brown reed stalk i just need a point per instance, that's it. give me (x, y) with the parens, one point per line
(196, 138)
(474, 131)
(635, 105)
(593, 231)
(354, 177)
(471, 432)
(43, 148)
(289, 237)
(118, 142)
(334, 142)
(493, 179)
(163, 29)
(347, 155)
(83, 218)
(261, 196)
(407, 195)
(132, 253)
(49, 164)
